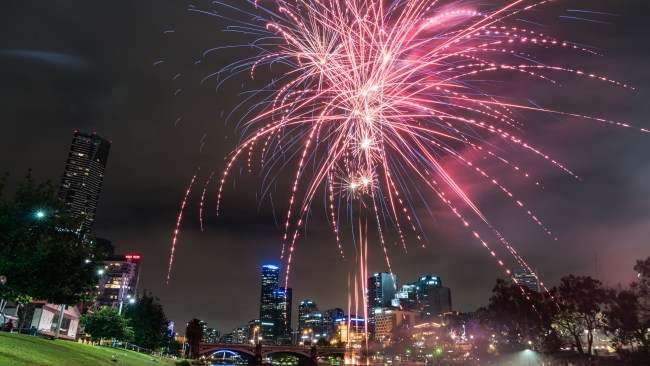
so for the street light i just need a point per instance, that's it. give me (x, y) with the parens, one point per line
(130, 300)
(39, 214)
(255, 332)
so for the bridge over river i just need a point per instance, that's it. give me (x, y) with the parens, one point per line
(307, 355)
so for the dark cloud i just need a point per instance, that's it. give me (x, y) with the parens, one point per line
(96, 67)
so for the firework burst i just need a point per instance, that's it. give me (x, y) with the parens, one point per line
(376, 97)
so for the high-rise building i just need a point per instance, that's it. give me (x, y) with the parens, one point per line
(119, 280)
(310, 322)
(282, 321)
(268, 308)
(382, 288)
(83, 176)
(275, 306)
(526, 278)
(305, 308)
(330, 329)
(211, 335)
(427, 296)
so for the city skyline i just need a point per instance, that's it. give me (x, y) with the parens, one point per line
(154, 155)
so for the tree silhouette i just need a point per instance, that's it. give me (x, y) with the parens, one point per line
(149, 321)
(194, 334)
(581, 301)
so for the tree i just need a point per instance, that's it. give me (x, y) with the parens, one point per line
(623, 323)
(106, 323)
(641, 287)
(580, 301)
(628, 317)
(517, 316)
(175, 348)
(194, 334)
(45, 254)
(149, 321)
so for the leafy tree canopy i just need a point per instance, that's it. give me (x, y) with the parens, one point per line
(106, 323)
(149, 321)
(44, 253)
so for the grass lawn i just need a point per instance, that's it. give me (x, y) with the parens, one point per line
(22, 349)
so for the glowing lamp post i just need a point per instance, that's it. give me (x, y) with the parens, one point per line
(130, 301)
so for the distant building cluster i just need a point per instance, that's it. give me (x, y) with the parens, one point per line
(390, 307)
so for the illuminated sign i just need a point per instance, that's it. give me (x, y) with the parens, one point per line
(132, 256)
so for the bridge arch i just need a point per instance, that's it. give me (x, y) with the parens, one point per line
(237, 350)
(297, 353)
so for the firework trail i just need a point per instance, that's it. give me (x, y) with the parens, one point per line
(375, 98)
(178, 225)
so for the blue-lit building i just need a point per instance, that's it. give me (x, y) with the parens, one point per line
(270, 274)
(275, 306)
(283, 301)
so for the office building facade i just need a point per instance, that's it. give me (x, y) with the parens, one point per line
(119, 281)
(275, 307)
(83, 176)
(426, 296)
(382, 288)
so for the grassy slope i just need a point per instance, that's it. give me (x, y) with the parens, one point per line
(20, 349)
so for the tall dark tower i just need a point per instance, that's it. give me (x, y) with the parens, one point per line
(382, 288)
(83, 176)
(268, 302)
(283, 300)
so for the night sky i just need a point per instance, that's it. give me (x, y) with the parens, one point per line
(89, 66)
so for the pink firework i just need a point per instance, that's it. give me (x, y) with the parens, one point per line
(374, 99)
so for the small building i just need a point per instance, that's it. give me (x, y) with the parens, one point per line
(45, 317)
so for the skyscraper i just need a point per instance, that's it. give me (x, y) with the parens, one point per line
(275, 306)
(310, 321)
(283, 299)
(526, 278)
(83, 176)
(382, 288)
(268, 308)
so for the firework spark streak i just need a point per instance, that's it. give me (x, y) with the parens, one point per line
(374, 100)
